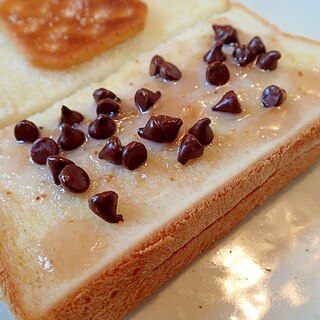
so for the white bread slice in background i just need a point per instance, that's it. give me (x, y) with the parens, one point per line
(25, 89)
(167, 223)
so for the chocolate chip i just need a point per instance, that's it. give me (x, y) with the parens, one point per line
(74, 179)
(268, 61)
(71, 138)
(202, 131)
(243, 55)
(69, 116)
(144, 99)
(56, 164)
(102, 127)
(134, 155)
(228, 103)
(217, 74)
(112, 151)
(42, 149)
(26, 131)
(257, 45)
(226, 33)
(190, 148)
(103, 93)
(152, 130)
(155, 65)
(164, 69)
(170, 127)
(215, 54)
(104, 205)
(161, 128)
(273, 96)
(170, 72)
(108, 106)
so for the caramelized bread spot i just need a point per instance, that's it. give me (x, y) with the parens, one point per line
(60, 34)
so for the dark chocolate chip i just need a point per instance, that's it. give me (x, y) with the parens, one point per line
(144, 99)
(257, 45)
(164, 69)
(226, 33)
(273, 96)
(74, 179)
(268, 61)
(217, 74)
(152, 130)
(134, 155)
(169, 72)
(42, 149)
(243, 55)
(190, 148)
(228, 103)
(71, 138)
(215, 54)
(155, 65)
(26, 131)
(103, 93)
(170, 127)
(112, 151)
(56, 164)
(202, 131)
(104, 205)
(161, 128)
(108, 106)
(69, 116)
(102, 127)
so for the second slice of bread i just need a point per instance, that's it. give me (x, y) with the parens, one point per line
(26, 89)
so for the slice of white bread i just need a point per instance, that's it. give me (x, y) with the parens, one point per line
(26, 89)
(171, 212)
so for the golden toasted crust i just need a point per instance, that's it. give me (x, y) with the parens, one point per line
(65, 33)
(10, 289)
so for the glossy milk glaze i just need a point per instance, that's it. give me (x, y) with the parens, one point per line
(154, 194)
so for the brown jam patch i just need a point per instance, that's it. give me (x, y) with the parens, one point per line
(60, 34)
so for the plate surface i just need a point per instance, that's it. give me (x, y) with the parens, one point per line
(268, 267)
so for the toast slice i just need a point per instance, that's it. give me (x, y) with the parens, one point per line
(59, 260)
(26, 89)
